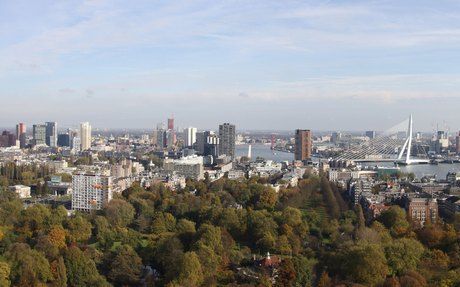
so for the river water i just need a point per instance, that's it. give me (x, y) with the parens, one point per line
(264, 151)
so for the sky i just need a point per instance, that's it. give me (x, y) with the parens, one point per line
(261, 64)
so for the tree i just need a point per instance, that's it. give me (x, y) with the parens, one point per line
(57, 236)
(364, 263)
(191, 273)
(329, 198)
(79, 229)
(287, 274)
(28, 267)
(119, 212)
(168, 253)
(81, 270)
(304, 270)
(324, 280)
(395, 220)
(5, 274)
(403, 255)
(126, 267)
(59, 273)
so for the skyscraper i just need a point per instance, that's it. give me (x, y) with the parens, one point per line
(370, 134)
(207, 143)
(457, 143)
(302, 144)
(51, 134)
(171, 123)
(190, 136)
(39, 134)
(85, 136)
(21, 134)
(227, 139)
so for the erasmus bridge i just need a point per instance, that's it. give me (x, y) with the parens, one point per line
(393, 145)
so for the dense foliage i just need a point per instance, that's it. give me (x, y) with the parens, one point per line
(215, 234)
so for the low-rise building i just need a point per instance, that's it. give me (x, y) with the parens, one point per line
(422, 210)
(21, 190)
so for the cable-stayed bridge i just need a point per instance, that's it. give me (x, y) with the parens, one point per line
(394, 145)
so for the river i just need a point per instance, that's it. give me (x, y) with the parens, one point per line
(264, 151)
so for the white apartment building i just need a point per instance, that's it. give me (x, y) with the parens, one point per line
(190, 166)
(91, 191)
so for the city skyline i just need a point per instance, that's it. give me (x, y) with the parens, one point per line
(311, 64)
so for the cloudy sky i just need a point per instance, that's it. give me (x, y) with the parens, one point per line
(324, 65)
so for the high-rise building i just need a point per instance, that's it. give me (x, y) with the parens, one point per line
(457, 143)
(21, 134)
(7, 139)
(90, 191)
(190, 136)
(85, 136)
(171, 123)
(370, 134)
(170, 138)
(161, 139)
(303, 144)
(64, 140)
(336, 136)
(39, 134)
(227, 140)
(51, 134)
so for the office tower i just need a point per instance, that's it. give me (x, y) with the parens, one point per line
(90, 191)
(207, 143)
(7, 139)
(190, 136)
(370, 134)
(171, 124)
(51, 134)
(85, 136)
(227, 140)
(170, 139)
(161, 139)
(457, 143)
(336, 136)
(64, 140)
(21, 134)
(39, 134)
(302, 144)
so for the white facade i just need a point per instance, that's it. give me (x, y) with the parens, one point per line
(85, 136)
(190, 166)
(190, 136)
(21, 190)
(90, 191)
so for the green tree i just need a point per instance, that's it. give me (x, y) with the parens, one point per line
(364, 263)
(78, 229)
(395, 220)
(81, 270)
(119, 212)
(191, 273)
(59, 273)
(126, 267)
(28, 267)
(403, 255)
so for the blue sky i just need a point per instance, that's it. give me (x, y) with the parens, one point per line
(324, 65)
